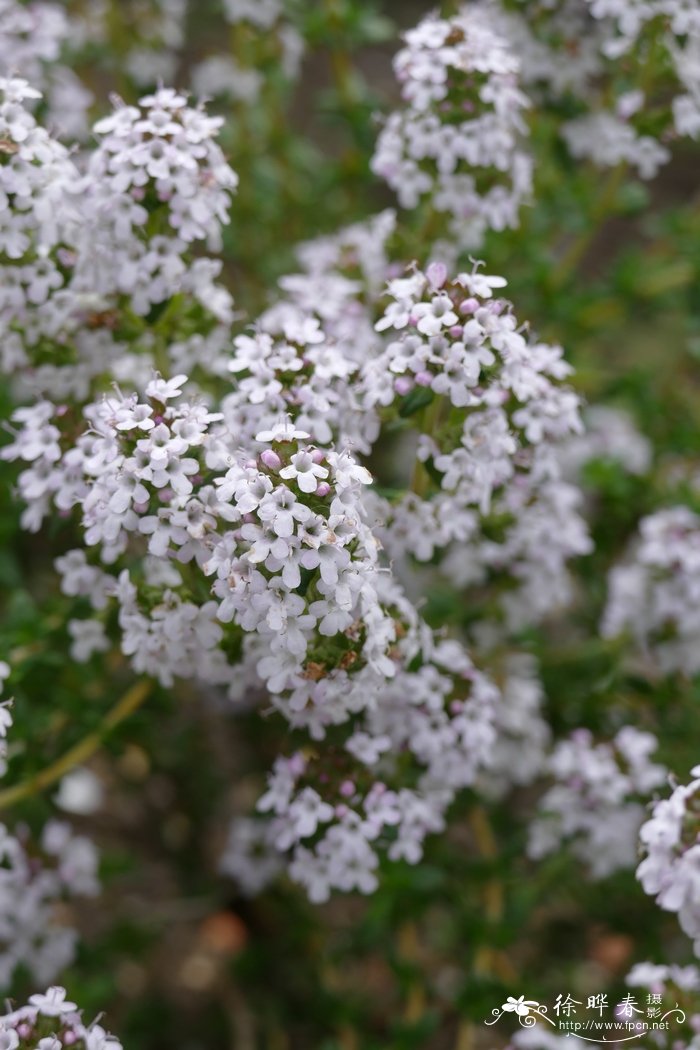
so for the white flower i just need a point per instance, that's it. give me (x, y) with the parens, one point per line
(282, 431)
(53, 1003)
(164, 389)
(305, 471)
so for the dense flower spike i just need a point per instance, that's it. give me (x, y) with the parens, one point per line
(88, 247)
(32, 881)
(653, 597)
(50, 1021)
(282, 536)
(595, 805)
(441, 716)
(493, 411)
(670, 871)
(459, 139)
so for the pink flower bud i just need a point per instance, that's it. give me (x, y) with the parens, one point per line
(341, 811)
(24, 1030)
(270, 458)
(436, 274)
(423, 378)
(317, 455)
(469, 306)
(347, 788)
(496, 306)
(402, 385)
(456, 331)
(68, 1038)
(296, 765)
(322, 489)
(165, 495)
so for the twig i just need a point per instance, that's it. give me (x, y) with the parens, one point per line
(80, 752)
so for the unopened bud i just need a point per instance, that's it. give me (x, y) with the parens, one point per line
(403, 385)
(436, 274)
(270, 458)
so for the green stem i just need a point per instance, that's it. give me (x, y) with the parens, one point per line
(129, 702)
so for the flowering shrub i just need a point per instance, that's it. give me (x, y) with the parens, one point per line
(349, 617)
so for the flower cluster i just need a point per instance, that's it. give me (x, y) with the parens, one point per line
(575, 50)
(91, 250)
(218, 556)
(459, 139)
(33, 38)
(653, 597)
(165, 148)
(441, 717)
(282, 536)
(300, 372)
(50, 1021)
(596, 805)
(335, 814)
(307, 349)
(670, 871)
(32, 882)
(486, 484)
